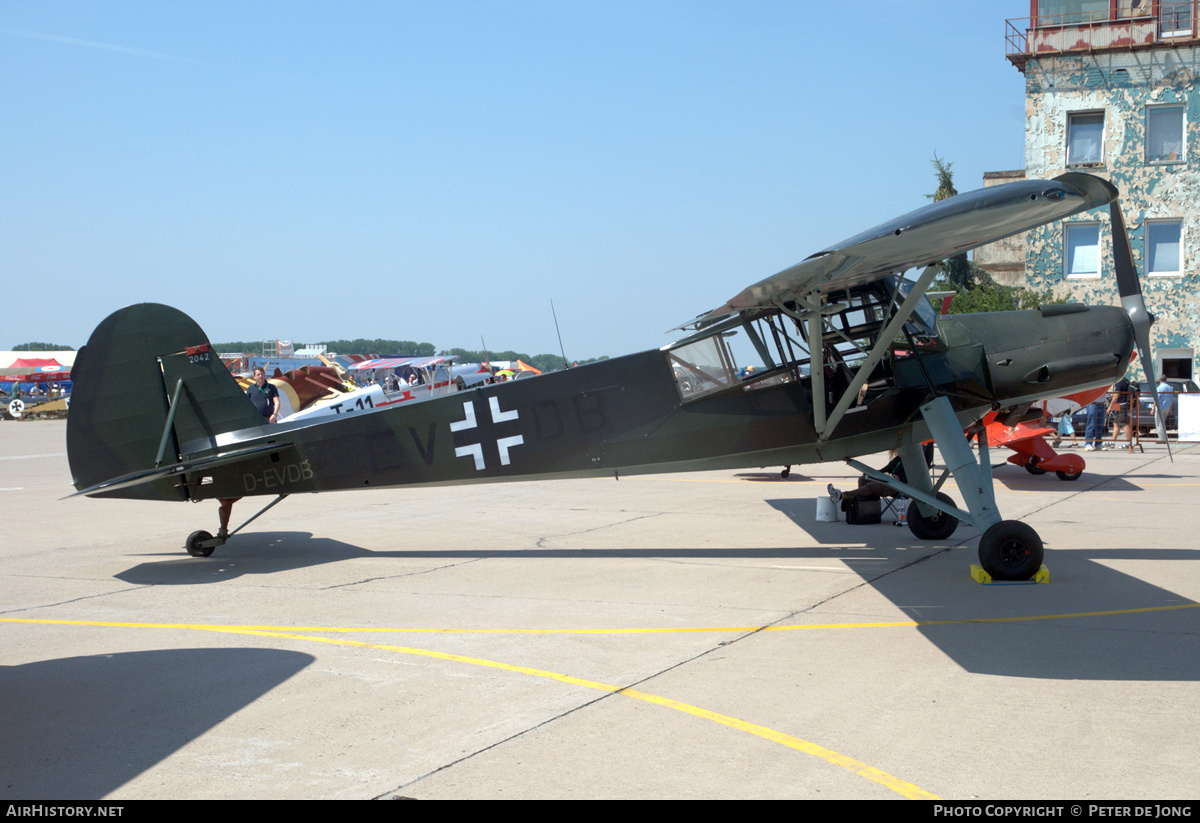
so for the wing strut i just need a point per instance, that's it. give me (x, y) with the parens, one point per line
(973, 478)
(882, 343)
(816, 366)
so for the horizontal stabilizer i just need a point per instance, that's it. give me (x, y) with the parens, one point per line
(199, 464)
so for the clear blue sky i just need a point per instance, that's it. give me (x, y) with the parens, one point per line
(437, 171)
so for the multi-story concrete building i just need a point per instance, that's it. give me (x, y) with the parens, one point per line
(1111, 89)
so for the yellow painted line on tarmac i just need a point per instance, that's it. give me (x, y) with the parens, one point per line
(888, 781)
(890, 624)
(901, 787)
(882, 778)
(739, 480)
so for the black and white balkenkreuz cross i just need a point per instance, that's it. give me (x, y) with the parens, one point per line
(484, 432)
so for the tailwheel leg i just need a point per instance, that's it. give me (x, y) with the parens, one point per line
(202, 543)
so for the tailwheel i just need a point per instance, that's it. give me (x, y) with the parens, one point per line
(937, 526)
(1033, 468)
(200, 544)
(1010, 550)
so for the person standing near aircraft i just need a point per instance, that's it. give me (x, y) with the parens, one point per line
(1066, 428)
(1093, 433)
(264, 396)
(1119, 408)
(226, 509)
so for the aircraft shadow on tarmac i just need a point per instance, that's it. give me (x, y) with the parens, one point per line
(81, 727)
(1148, 646)
(1016, 479)
(260, 553)
(773, 477)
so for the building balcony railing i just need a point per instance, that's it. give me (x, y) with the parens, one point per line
(1163, 22)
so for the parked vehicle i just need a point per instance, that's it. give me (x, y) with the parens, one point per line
(1146, 405)
(1145, 419)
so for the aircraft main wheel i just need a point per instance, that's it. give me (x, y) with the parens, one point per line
(1010, 550)
(937, 526)
(786, 471)
(1033, 468)
(193, 544)
(1068, 475)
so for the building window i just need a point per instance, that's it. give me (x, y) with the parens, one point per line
(1163, 247)
(1066, 12)
(1083, 250)
(1175, 18)
(1085, 138)
(1164, 134)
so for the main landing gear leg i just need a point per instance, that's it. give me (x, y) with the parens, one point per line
(1008, 550)
(203, 544)
(925, 520)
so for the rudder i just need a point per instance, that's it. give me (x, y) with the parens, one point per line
(124, 380)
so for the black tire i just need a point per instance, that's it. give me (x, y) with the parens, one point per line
(1033, 468)
(1068, 476)
(193, 544)
(1010, 550)
(786, 471)
(938, 526)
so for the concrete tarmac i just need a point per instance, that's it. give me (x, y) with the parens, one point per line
(689, 636)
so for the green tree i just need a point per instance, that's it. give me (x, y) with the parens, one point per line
(42, 347)
(238, 347)
(407, 348)
(957, 272)
(393, 348)
(396, 348)
(945, 178)
(991, 296)
(977, 291)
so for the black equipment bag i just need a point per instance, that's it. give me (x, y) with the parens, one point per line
(863, 511)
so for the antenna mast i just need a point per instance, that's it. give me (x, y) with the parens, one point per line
(566, 364)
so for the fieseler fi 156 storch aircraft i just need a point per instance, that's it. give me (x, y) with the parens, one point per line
(855, 363)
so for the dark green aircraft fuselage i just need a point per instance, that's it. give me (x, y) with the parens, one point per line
(627, 415)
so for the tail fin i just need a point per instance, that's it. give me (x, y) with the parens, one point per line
(139, 362)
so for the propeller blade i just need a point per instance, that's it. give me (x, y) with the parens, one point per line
(1134, 304)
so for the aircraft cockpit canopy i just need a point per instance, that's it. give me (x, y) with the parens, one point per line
(777, 341)
(923, 322)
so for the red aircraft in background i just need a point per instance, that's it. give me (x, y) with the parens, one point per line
(1028, 437)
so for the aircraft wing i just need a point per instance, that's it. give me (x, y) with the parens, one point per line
(999, 434)
(396, 362)
(934, 232)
